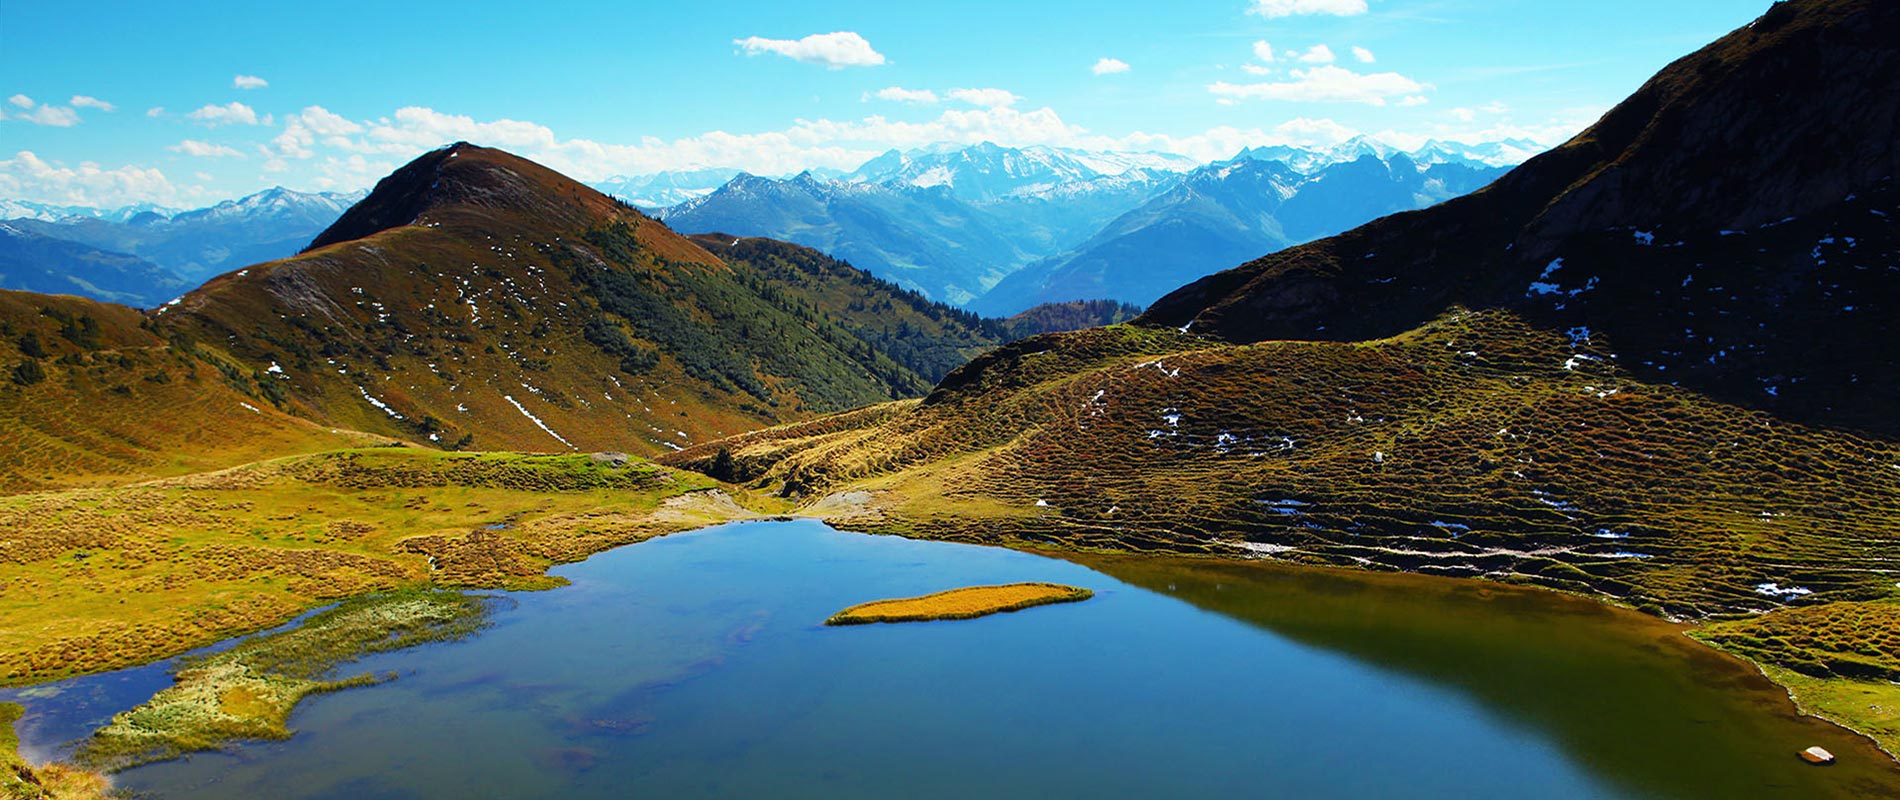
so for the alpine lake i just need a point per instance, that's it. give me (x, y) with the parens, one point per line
(698, 665)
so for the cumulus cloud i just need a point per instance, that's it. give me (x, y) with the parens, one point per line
(303, 129)
(155, 112)
(1317, 54)
(1273, 9)
(1263, 51)
(1494, 107)
(234, 113)
(1364, 55)
(1325, 84)
(988, 98)
(248, 82)
(193, 147)
(834, 50)
(1109, 66)
(87, 101)
(27, 177)
(899, 94)
(42, 114)
(1413, 100)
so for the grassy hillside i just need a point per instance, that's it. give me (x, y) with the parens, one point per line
(90, 394)
(94, 579)
(477, 299)
(1474, 446)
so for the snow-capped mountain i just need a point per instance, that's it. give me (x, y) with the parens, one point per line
(198, 244)
(1021, 226)
(47, 212)
(1229, 212)
(987, 172)
(665, 189)
(922, 238)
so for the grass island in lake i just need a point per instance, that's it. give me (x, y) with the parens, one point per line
(968, 602)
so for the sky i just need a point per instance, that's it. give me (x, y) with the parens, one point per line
(185, 104)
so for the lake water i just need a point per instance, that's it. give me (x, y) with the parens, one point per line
(696, 665)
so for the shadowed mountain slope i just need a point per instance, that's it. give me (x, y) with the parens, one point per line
(1730, 227)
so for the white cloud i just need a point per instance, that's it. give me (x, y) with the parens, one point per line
(248, 82)
(834, 50)
(1272, 9)
(193, 147)
(1494, 107)
(1109, 66)
(304, 128)
(54, 116)
(1256, 69)
(27, 177)
(204, 177)
(899, 94)
(1317, 54)
(1263, 51)
(987, 98)
(1413, 100)
(155, 112)
(1364, 55)
(85, 101)
(1325, 84)
(231, 114)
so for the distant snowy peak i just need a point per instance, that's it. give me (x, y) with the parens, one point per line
(275, 203)
(1504, 153)
(48, 212)
(989, 171)
(663, 189)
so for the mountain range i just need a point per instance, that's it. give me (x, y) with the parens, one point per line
(1000, 229)
(196, 244)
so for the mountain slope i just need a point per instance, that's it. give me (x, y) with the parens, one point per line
(1231, 211)
(1522, 442)
(921, 238)
(89, 393)
(1729, 227)
(34, 263)
(478, 299)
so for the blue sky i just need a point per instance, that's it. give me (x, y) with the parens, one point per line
(184, 104)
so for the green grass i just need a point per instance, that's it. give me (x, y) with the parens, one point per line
(249, 690)
(1840, 661)
(98, 579)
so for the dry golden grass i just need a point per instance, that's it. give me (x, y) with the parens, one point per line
(99, 579)
(965, 603)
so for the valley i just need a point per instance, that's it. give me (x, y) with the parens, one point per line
(1446, 469)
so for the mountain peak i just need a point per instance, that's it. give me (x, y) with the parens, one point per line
(465, 179)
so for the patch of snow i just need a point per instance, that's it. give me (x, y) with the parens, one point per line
(544, 426)
(1775, 590)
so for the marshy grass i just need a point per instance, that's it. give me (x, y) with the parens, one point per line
(968, 602)
(249, 690)
(56, 781)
